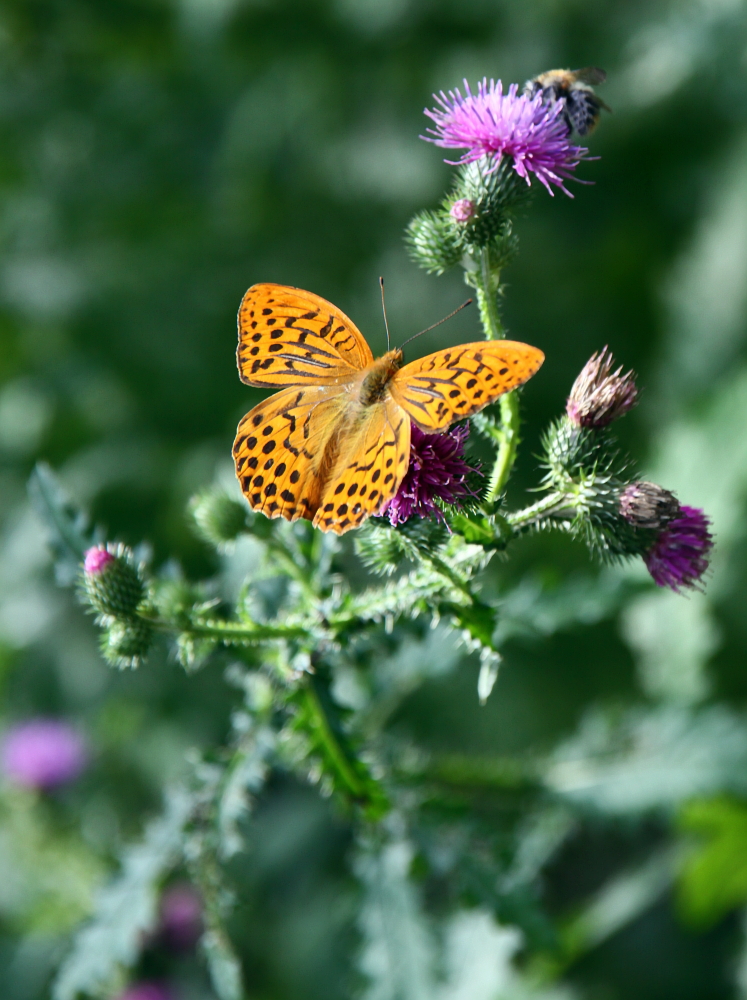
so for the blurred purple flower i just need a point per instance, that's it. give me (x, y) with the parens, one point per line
(462, 210)
(97, 559)
(147, 991)
(181, 916)
(437, 470)
(493, 124)
(679, 557)
(42, 753)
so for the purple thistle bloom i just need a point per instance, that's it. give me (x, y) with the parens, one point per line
(181, 916)
(147, 991)
(490, 123)
(462, 210)
(679, 556)
(437, 470)
(42, 753)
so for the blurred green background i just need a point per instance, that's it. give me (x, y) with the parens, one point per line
(159, 156)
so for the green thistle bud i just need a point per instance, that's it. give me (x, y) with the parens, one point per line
(126, 643)
(112, 584)
(434, 241)
(219, 519)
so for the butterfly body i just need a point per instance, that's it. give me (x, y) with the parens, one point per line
(333, 445)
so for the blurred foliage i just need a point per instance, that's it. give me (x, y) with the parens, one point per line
(157, 158)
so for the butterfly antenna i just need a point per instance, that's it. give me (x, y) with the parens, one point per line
(383, 309)
(434, 325)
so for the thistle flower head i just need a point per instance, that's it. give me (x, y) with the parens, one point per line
(534, 135)
(43, 754)
(462, 210)
(112, 583)
(599, 395)
(437, 471)
(646, 505)
(680, 555)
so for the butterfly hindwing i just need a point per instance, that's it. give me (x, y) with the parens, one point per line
(369, 468)
(280, 447)
(456, 383)
(291, 337)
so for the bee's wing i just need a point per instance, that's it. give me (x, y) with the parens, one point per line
(590, 74)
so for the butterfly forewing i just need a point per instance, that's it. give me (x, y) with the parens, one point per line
(449, 385)
(373, 459)
(280, 447)
(291, 337)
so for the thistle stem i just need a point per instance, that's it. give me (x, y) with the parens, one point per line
(327, 738)
(487, 284)
(555, 505)
(231, 632)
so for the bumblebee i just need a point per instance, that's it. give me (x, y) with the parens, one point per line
(572, 88)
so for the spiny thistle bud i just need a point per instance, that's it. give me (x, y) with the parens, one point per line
(679, 557)
(462, 210)
(219, 518)
(112, 583)
(599, 395)
(646, 505)
(126, 643)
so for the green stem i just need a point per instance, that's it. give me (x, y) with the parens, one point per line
(327, 738)
(487, 283)
(506, 454)
(555, 505)
(291, 567)
(446, 571)
(231, 632)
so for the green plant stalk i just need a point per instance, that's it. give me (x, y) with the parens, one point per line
(229, 632)
(327, 738)
(558, 506)
(487, 284)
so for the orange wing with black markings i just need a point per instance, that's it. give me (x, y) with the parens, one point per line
(291, 337)
(371, 464)
(449, 385)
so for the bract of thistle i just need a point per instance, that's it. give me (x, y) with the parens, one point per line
(534, 135)
(647, 505)
(680, 555)
(600, 395)
(438, 470)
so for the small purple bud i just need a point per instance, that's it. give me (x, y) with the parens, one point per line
(599, 395)
(147, 991)
(680, 555)
(181, 917)
(462, 210)
(43, 754)
(646, 505)
(97, 559)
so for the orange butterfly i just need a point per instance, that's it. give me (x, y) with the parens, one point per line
(334, 444)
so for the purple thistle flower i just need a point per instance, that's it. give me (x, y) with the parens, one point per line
(599, 395)
(490, 123)
(437, 471)
(679, 556)
(147, 991)
(462, 210)
(181, 916)
(43, 754)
